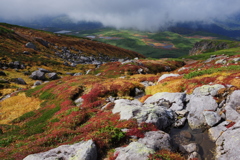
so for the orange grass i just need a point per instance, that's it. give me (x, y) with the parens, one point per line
(16, 106)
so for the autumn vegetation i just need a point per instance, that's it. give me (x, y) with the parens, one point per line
(36, 119)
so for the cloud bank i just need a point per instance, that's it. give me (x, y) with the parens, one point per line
(138, 14)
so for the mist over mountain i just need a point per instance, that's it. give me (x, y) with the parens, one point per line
(137, 14)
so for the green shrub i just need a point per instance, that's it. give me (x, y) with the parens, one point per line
(24, 117)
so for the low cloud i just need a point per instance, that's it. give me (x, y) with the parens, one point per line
(138, 14)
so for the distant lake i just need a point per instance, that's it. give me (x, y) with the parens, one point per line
(92, 37)
(63, 32)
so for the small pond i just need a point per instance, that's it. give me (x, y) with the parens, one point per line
(186, 135)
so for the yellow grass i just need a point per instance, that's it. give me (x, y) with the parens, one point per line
(16, 106)
(7, 91)
(175, 85)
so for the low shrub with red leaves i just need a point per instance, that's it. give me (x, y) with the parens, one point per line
(141, 130)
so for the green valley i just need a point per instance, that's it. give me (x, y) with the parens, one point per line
(154, 45)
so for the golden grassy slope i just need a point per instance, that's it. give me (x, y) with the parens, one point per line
(16, 106)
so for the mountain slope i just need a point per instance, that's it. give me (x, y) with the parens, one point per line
(13, 42)
(122, 103)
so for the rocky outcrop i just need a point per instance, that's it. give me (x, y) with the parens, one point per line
(134, 151)
(72, 59)
(226, 134)
(161, 116)
(203, 107)
(174, 101)
(140, 150)
(207, 90)
(207, 45)
(233, 107)
(44, 74)
(85, 150)
(196, 106)
(227, 143)
(156, 140)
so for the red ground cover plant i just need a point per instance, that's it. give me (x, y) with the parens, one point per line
(165, 155)
(141, 130)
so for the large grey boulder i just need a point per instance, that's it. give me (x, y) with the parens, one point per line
(38, 75)
(196, 106)
(161, 116)
(140, 150)
(174, 101)
(85, 150)
(227, 144)
(127, 108)
(156, 140)
(134, 151)
(211, 117)
(233, 106)
(215, 132)
(207, 90)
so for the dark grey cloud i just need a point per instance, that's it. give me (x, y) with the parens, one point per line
(140, 14)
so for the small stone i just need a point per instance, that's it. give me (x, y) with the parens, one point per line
(78, 74)
(194, 155)
(79, 101)
(31, 45)
(52, 76)
(37, 83)
(185, 134)
(181, 113)
(26, 52)
(192, 147)
(180, 122)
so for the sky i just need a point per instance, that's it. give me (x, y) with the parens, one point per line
(137, 14)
